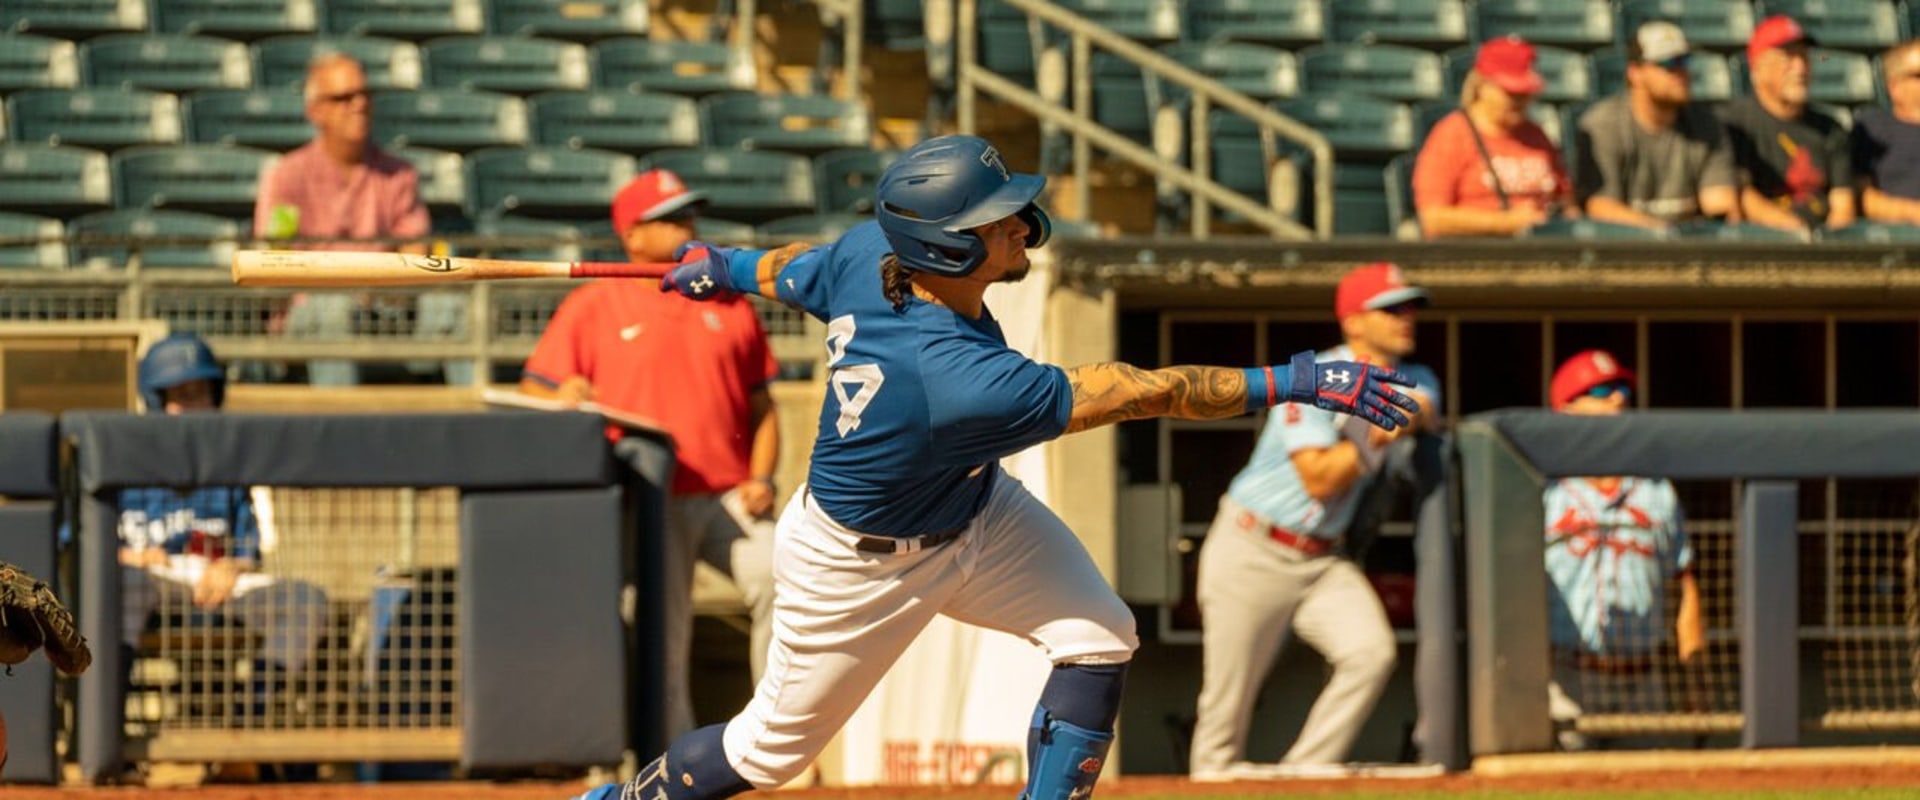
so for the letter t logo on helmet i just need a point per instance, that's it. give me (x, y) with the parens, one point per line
(930, 200)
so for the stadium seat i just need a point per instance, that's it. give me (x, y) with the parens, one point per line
(1435, 23)
(1874, 232)
(1007, 42)
(689, 68)
(32, 242)
(1579, 24)
(235, 19)
(568, 19)
(1385, 71)
(1864, 25)
(282, 61)
(102, 119)
(566, 240)
(443, 177)
(1568, 73)
(448, 119)
(405, 19)
(1255, 70)
(627, 122)
(166, 62)
(1354, 125)
(743, 185)
(1401, 219)
(204, 241)
(1546, 115)
(520, 65)
(46, 179)
(544, 181)
(1587, 229)
(795, 123)
(1834, 77)
(37, 62)
(217, 179)
(1123, 98)
(1143, 20)
(275, 119)
(1735, 232)
(1710, 24)
(73, 18)
(846, 178)
(897, 24)
(1238, 158)
(1708, 73)
(723, 231)
(810, 227)
(1278, 22)
(1359, 196)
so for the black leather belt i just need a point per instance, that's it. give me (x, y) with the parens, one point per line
(912, 544)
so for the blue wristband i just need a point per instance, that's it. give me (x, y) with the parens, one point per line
(1264, 385)
(1303, 389)
(743, 271)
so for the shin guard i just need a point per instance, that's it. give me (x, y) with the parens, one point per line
(1063, 759)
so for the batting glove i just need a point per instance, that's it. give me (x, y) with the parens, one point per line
(706, 271)
(1350, 387)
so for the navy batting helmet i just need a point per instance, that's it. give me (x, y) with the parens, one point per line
(929, 200)
(175, 360)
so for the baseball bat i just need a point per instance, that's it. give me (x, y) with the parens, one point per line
(343, 268)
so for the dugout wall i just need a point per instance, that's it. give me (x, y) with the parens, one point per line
(28, 489)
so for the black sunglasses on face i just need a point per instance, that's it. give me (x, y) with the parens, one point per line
(1675, 64)
(345, 97)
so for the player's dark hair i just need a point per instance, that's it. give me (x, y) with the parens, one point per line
(896, 281)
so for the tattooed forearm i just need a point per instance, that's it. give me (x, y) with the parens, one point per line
(772, 261)
(1104, 394)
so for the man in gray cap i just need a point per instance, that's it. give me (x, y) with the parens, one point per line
(1650, 156)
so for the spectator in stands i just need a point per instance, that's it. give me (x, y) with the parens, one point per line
(1886, 144)
(1795, 171)
(703, 370)
(199, 549)
(1489, 170)
(341, 192)
(1613, 543)
(1649, 156)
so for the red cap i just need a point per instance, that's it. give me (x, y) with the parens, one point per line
(1508, 62)
(1584, 371)
(1374, 286)
(649, 196)
(1778, 30)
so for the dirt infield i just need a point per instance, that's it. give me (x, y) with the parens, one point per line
(1718, 780)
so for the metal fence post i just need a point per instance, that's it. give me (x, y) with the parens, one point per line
(1768, 614)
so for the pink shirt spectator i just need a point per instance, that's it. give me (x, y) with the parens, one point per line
(379, 198)
(1451, 172)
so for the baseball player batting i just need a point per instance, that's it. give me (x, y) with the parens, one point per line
(906, 514)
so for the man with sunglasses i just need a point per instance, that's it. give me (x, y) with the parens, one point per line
(1271, 563)
(1886, 143)
(1612, 545)
(703, 370)
(1649, 156)
(1794, 161)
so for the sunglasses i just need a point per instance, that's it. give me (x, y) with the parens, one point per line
(1611, 388)
(1677, 63)
(345, 97)
(1401, 309)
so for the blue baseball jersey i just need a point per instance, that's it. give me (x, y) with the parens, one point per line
(922, 402)
(1270, 486)
(215, 522)
(1608, 560)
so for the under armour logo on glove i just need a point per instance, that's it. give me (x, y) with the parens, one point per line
(702, 274)
(1337, 379)
(701, 285)
(1347, 387)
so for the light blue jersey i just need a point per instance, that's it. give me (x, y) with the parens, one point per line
(921, 403)
(1608, 561)
(1270, 485)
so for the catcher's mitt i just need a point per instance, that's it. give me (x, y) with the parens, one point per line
(31, 617)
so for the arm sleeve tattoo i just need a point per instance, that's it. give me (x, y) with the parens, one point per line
(1104, 394)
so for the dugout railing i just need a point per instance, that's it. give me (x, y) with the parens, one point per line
(1778, 477)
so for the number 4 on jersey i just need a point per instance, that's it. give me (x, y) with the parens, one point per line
(855, 385)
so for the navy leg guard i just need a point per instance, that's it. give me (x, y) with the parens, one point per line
(1063, 759)
(693, 768)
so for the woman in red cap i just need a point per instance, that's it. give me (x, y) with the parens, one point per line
(1489, 170)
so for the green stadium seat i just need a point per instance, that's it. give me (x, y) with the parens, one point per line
(1384, 71)
(405, 19)
(1360, 200)
(449, 119)
(748, 186)
(37, 62)
(32, 242)
(443, 177)
(102, 119)
(627, 122)
(1239, 159)
(505, 64)
(1436, 23)
(1279, 22)
(1875, 233)
(1865, 25)
(1401, 219)
(1546, 115)
(689, 68)
(1355, 125)
(723, 231)
(1710, 24)
(47, 179)
(846, 178)
(166, 62)
(1580, 24)
(167, 239)
(568, 19)
(1143, 20)
(535, 239)
(217, 179)
(1255, 70)
(1834, 77)
(897, 24)
(1122, 97)
(281, 61)
(1591, 230)
(236, 19)
(73, 18)
(795, 123)
(1008, 44)
(545, 181)
(1708, 73)
(818, 228)
(275, 119)
(1568, 73)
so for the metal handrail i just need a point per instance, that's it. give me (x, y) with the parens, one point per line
(1206, 93)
